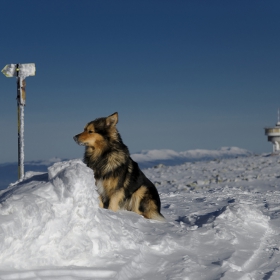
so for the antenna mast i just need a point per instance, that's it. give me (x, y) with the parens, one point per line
(278, 118)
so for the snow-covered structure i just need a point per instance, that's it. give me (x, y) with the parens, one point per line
(273, 135)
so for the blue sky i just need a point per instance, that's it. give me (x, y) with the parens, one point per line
(182, 74)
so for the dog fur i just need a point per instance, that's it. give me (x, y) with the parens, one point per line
(119, 181)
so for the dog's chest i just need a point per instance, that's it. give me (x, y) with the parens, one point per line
(100, 187)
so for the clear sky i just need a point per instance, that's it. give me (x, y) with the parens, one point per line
(182, 74)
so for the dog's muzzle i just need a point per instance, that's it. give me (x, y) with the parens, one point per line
(77, 141)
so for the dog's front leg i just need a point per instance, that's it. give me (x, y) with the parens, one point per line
(115, 200)
(101, 205)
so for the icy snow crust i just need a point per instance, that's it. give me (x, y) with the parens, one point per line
(222, 223)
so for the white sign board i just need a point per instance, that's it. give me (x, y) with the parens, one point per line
(22, 71)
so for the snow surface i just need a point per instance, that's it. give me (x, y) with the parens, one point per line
(222, 223)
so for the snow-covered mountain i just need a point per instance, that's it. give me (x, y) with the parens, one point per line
(222, 222)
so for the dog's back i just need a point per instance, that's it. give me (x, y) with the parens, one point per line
(120, 182)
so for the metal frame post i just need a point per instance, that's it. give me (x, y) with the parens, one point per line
(21, 71)
(20, 108)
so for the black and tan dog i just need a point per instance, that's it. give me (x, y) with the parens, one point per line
(120, 183)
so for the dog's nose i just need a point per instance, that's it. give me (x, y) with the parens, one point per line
(75, 138)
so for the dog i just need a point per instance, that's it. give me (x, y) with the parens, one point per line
(120, 182)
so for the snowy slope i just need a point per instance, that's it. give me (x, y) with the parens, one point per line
(222, 223)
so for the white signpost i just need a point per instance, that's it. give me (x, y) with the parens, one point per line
(21, 71)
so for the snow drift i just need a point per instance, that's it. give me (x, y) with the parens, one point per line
(55, 220)
(58, 221)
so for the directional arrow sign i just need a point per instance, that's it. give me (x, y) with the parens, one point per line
(19, 70)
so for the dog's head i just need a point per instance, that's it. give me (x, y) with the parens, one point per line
(98, 133)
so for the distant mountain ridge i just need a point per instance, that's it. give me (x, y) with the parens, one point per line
(145, 159)
(150, 158)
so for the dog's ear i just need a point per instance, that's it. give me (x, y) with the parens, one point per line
(112, 120)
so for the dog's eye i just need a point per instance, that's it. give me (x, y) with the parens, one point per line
(90, 131)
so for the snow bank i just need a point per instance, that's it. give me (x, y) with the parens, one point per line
(38, 222)
(55, 220)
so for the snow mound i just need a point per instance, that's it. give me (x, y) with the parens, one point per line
(150, 158)
(55, 220)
